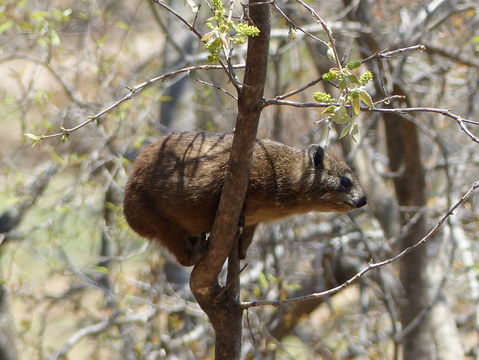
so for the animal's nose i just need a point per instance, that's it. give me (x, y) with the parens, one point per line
(361, 201)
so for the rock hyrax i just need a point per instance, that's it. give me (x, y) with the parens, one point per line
(174, 190)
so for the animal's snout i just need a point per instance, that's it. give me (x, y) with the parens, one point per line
(361, 201)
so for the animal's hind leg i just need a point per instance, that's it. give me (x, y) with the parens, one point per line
(187, 249)
(245, 240)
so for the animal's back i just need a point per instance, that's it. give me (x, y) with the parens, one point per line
(178, 178)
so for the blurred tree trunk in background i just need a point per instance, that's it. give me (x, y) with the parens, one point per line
(8, 350)
(429, 330)
(435, 335)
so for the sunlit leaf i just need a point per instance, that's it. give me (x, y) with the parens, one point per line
(355, 132)
(346, 130)
(356, 105)
(54, 38)
(329, 110)
(330, 53)
(366, 98)
(5, 26)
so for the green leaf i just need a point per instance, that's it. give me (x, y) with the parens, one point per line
(330, 53)
(224, 40)
(5, 26)
(102, 269)
(54, 38)
(32, 136)
(329, 110)
(345, 130)
(39, 15)
(355, 132)
(207, 36)
(35, 138)
(366, 98)
(263, 282)
(42, 42)
(341, 115)
(356, 105)
(122, 25)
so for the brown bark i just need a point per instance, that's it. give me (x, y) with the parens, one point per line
(222, 304)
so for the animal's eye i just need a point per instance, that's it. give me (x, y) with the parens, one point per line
(345, 182)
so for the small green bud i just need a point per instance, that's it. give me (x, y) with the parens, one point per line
(353, 65)
(330, 76)
(246, 30)
(366, 77)
(323, 97)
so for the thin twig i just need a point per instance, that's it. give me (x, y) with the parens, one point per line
(99, 328)
(217, 88)
(294, 92)
(181, 18)
(371, 266)
(389, 99)
(386, 54)
(327, 29)
(296, 27)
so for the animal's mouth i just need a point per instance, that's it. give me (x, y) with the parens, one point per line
(362, 201)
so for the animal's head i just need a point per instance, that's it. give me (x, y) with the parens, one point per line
(335, 187)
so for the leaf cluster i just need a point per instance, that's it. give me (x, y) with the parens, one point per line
(42, 25)
(353, 93)
(223, 32)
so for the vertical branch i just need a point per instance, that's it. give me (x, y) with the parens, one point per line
(222, 307)
(204, 276)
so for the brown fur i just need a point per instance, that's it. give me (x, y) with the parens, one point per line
(174, 190)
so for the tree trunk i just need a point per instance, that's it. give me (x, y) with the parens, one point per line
(435, 335)
(7, 331)
(424, 313)
(222, 304)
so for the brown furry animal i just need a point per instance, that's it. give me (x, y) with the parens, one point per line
(175, 187)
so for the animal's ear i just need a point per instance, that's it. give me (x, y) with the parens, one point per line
(316, 155)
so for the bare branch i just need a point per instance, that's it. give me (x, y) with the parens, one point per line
(100, 327)
(217, 88)
(294, 92)
(386, 54)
